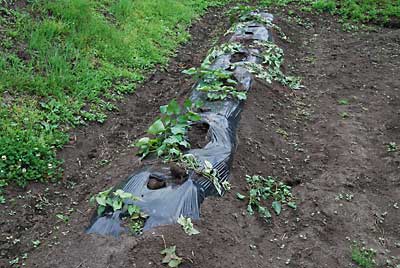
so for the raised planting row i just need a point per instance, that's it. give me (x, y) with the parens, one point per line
(194, 143)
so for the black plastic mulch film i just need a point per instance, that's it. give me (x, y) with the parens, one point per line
(167, 204)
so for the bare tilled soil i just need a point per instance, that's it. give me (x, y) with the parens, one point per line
(323, 149)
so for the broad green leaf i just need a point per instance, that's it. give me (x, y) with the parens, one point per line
(184, 144)
(173, 108)
(187, 104)
(175, 262)
(198, 104)
(157, 127)
(172, 140)
(163, 109)
(178, 129)
(117, 204)
(142, 141)
(101, 200)
(132, 209)
(277, 207)
(169, 251)
(123, 195)
(194, 116)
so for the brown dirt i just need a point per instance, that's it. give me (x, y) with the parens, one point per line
(198, 135)
(301, 137)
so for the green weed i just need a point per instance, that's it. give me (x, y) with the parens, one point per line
(392, 147)
(343, 101)
(262, 190)
(362, 256)
(62, 62)
(115, 200)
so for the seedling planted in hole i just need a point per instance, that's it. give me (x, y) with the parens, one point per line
(262, 190)
(169, 130)
(343, 101)
(115, 200)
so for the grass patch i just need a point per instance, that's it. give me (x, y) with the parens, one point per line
(376, 11)
(63, 63)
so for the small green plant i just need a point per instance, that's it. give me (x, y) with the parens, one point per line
(116, 200)
(63, 217)
(36, 243)
(343, 101)
(170, 257)
(261, 190)
(217, 83)
(345, 196)
(169, 131)
(136, 220)
(187, 225)
(77, 56)
(363, 257)
(344, 115)
(392, 147)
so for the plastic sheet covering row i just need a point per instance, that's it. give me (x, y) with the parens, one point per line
(166, 204)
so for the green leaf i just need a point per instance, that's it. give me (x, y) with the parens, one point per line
(190, 71)
(133, 209)
(173, 108)
(198, 104)
(178, 129)
(175, 262)
(157, 127)
(101, 200)
(240, 196)
(187, 104)
(142, 141)
(277, 207)
(117, 204)
(170, 250)
(194, 117)
(122, 194)
(100, 210)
